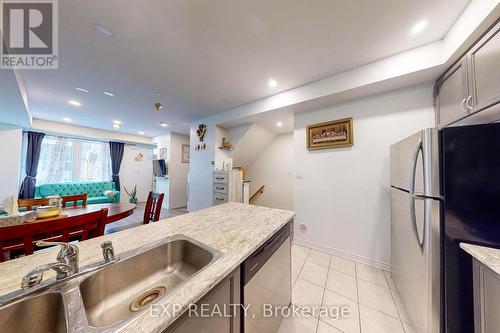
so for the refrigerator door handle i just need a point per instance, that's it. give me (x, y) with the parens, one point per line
(413, 216)
(413, 174)
(415, 196)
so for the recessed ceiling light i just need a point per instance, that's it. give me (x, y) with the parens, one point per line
(107, 93)
(419, 27)
(67, 119)
(75, 103)
(117, 122)
(116, 126)
(279, 124)
(162, 124)
(81, 89)
(141, 133)
(272, 83)
(103, 30)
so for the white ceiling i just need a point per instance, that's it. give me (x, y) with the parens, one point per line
(199, 58)
(268, 120)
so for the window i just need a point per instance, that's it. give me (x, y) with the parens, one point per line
(65, 160)
(95, 161)
(55, 165)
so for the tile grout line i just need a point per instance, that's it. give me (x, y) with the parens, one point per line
(324, 292)
(357, 290)
(394, 301)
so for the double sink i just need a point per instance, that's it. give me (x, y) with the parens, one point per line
(109, 297)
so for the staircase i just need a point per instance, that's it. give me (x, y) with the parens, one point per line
(256, 195)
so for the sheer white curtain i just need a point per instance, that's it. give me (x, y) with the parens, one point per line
(95, 162)
(55, 161)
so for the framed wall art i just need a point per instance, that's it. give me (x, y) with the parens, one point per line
(331, 134)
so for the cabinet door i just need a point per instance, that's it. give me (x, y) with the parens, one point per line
(215, 313)
(486, 299)
(451, 94)
(485, 70)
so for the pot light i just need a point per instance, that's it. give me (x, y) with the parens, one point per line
(67, 119)
(272, 83)
(103, 30)
(75, 103)
(419, 27)
(162, 124)
(141, 133)
(117, 122)
(81, 89)
(116, 126)
(107, 93)
(279, 124)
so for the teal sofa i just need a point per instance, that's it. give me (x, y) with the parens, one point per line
(94, 190)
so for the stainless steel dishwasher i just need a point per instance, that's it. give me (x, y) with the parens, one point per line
(266, 281)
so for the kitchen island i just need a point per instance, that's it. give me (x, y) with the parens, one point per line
(235, 230)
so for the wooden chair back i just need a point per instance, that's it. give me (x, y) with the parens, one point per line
(73, 200)
(21, 238)
(153, 207)
(29, 204)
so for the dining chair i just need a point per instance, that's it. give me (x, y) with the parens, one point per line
(29, 204)
(20, 239)
(73, 200)
(153, 207)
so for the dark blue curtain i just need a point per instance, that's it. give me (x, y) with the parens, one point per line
(28, 185)
(116, 149)
(163, 167)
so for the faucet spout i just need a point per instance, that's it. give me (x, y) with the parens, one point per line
(35, 276)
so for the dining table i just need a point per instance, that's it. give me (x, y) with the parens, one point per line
(116, 211)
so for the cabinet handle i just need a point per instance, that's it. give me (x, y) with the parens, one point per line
(462, 105)
(219, 188)
(219, 178)
(468, 104)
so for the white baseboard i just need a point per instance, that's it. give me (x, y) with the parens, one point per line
(343, 254)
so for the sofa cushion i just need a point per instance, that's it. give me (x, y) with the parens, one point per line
(101, 199)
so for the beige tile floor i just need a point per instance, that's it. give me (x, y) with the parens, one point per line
(321, 279)
(136, 219)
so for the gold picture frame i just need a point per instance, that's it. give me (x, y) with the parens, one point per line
(331, 134)
(185, 153)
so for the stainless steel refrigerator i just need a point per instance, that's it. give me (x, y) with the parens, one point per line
(415, 227)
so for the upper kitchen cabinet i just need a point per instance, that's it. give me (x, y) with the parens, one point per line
(451, 92)
(485, 71)
(473, 83)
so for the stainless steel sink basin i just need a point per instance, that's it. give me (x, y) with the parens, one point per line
(119, 291)
(44, 314)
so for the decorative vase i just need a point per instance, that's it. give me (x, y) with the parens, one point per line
(133, 200)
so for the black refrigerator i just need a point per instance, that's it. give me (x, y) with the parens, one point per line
(470, 189)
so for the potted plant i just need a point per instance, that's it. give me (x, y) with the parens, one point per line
(132, 194)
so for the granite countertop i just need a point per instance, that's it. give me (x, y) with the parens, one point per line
(235, 229)
(488, 256)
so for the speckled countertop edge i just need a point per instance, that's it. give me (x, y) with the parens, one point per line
(488, 256)
(236, 230)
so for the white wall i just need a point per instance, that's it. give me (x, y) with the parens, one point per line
(70, 129)
(342, 195)
(178, 172)
(204, 162)
(176, 195)
(274, 169)
(249, 141)
(10, 160)
(138, 173)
